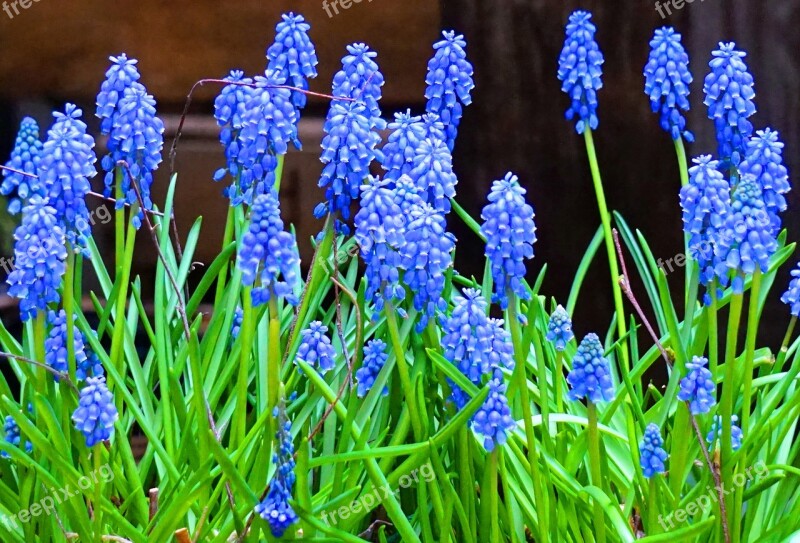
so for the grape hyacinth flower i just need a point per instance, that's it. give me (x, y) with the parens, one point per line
(764, 161)
(590, 377)
(292, 55)
(407, 134)
(315, 347)
(510, 234)
(380, 226)
(716, 432)
(12, 436)
(667, 80)
(236, 325)
(426, 256)
(360, 79)
(449, 83)
(96, 413)
(407, 194)
(580, 70)
(729, 97)
(493, 420)
(25, 159)
(651, 451)
(275, 508)
(559, 328)
(792, 295)
(121, 75)
(40, 256)
(433, 173)
(67, 164)
(86, 362)
(374, 359)
(746, 241)
(268, 252)
(698, 387)
(229, 111)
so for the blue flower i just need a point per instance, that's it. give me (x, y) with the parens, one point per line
(745, 241)
(348, 149)
(729, 97)
(122, 75)
(590, 377)
(275, 508)
(374, 359)
(137, 138)
(407, 194)
(764, 161)
(449, 82)
(315, 347)
(792, 295)
(698, 387)
(667, 80)
(580, 70)
(96, 413)
(716, 432)
(493, 420)
(24, 158)
(426, 256)
(433, 173)
(360, 79)
(380, 226)
(12, 436)
(559, 328)
(651, 451)
(229, 112)
(510, 234)
(40, 256)
(86, 362)
(236, 325)
(65, 168)
(268, 252)
(292, 55)
(407, 134)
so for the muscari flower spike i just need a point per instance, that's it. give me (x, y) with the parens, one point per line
(745, 240)
(40, 257)
(292, 55)
(275, 508)
(510, 234)
(792, 295)
(87, 364)
(716, 432)
(580, 70)
(433, 173)
(698, 386)
(315, 347)
(729, 97)
(121, 75)
(67, 164)
(360, 79)
(559, 328)
(590, 377)
(268, 252)
(374, 359)
(667, 80)
(449, 83)
(407, 134)
(493, 420)
(651, 451)
(24, 158)
(96, 413)
(764, 161)
(236, 325)
(380, 226)
(12, 436)
(229, 111)
(407, 194)
(426, 256)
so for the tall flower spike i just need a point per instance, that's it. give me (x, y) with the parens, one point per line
(792, 295)
(407, 134)
(590, 377)
(667, 80)
(651, 451)
(426, 256)
(121, 75)
(493, 420)
(729, 97)
(268, 253)
(24, 158)
(275, 508)
(580, 70)
(449, 82)
(698, 386)
(315, 347)
(433, 173)
(407, 194)
(716, 432)
(374, 359)
(360, 79)
(86, 362)
(40, 256)
(764, 161)
(380, 229)
(65, 168)
(96, 413)
(229, 111)
(746, 241)
(13, 436)
(510, 234)
(559, 328)
(292, 55)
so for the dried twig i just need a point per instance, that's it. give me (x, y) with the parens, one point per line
(153, 494)
(60, 374)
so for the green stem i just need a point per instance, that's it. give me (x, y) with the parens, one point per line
(227, 237)
(784, 350)
(119, 222)
(98, 493)
(489, 500)
(247, 331)
(612, 256)
(118, 334)
(465, 478)
(274, 355)
(750, 348)
(594, 467)
(652, 508)
(402, 368)
(69, 310)
(713, 332)
(683, 165)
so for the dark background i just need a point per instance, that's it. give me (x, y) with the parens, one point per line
(56, 51)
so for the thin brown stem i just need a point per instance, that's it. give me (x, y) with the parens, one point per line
(60, 374)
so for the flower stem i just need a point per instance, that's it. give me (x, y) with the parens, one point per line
(784, 350)
(683, 166)
(274, 356)
(98, 493)
(713, 331)
(402, 368)
(652, 508)
(489, 513)
(750, 347)
(69, 310)
(596, 473)
(247, 331)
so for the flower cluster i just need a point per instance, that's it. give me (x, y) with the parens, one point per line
(236, 325)
(315, 347)
(407, 194)
(374, 359)
(651, 451)
(407, 134)
(275, 508)
(24, 159)
(292, 55)
(764, 161)
(559, 328)
(12, 436)
(96, 413)
(698, 387)
(792, 295)
(229, 112)
(361, 80)
(433, 173)
(590, 377)
(121, 75)
(580, 70)
(493, 420)
(716, 432)
(667, 80)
